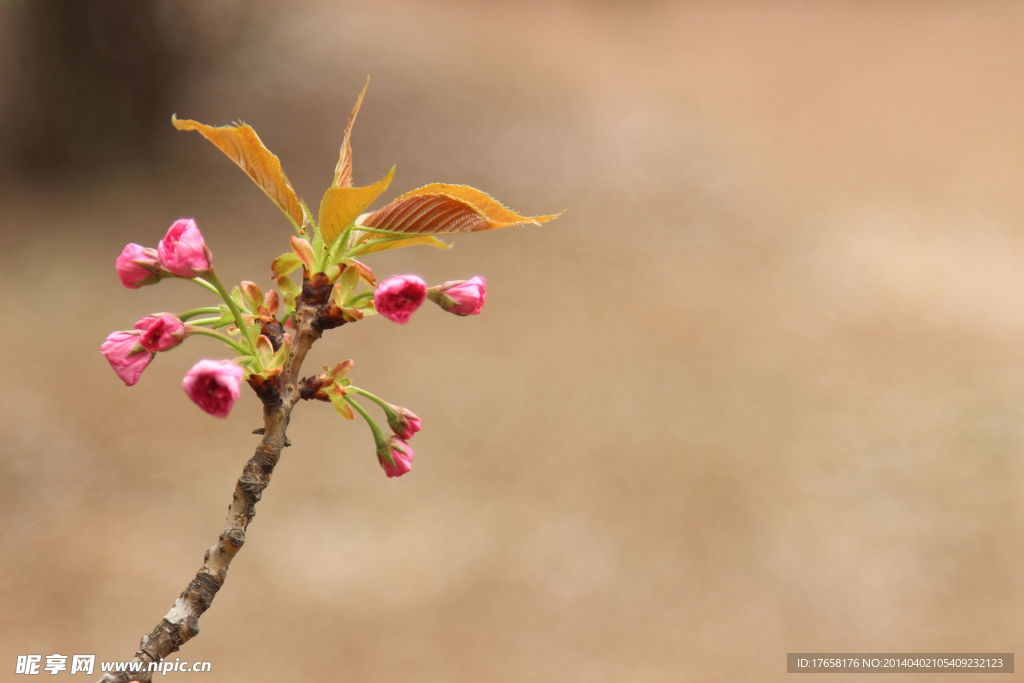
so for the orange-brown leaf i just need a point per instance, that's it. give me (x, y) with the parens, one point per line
(342, 205)
(442, 208)
(343, 171)
(241, 144)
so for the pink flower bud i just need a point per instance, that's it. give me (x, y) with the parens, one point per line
(397, 297)
(126, 355)
(461, 297)
(183, 250)
(404, 423)
(213, 385)
(401, 457)
(137, 266)
(160, 332)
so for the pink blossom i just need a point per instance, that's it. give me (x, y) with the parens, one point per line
(401, 457)
(397, 297)
(126, 355)
(160, 332)
(213, 385)
(137, 266)
(404, 423)
(462, 297)
(183, 250)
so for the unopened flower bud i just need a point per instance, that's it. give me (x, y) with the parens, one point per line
(213, 385)
(461, 297)
(183, 250)
(160, 332)
(126, 354)
(403, 422)
(137, 266)
(399, 296)
(395, 456)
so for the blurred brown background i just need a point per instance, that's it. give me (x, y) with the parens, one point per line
(760, 390)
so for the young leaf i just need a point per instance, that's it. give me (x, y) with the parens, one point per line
(442, 208)
(336, 394)
(271, 302)
(365, 274)
(226, 317)
(341, 205)
(285, 264)
(280, 356)
(304, 250)
(241, 144)
(252, 295)
(287, 286)
(332, 272)
(343, 171)
(289, 291)
(236, 296)
(345, 286)
(352, 314)
(264, 350)
(339, 370)
(373, 246)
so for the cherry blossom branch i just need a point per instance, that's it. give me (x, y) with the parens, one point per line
(181, 623)
(333, 293)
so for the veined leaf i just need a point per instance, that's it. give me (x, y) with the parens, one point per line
(341, 205)
(241, 144)
(343, 171)
(443, 208)
(373, 246)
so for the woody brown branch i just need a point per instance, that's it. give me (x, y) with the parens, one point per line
(181, 623)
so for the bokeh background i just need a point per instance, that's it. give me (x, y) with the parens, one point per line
(759, 390)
